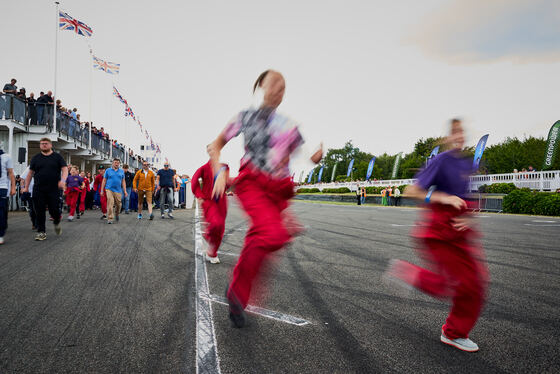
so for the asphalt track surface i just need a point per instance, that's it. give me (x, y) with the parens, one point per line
(122, 298)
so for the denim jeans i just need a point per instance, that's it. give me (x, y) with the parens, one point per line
(126, 199)
(163, 193)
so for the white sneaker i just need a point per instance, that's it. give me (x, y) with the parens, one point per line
(213, 260)
(1, 240)
(70, 218)
(464, 344)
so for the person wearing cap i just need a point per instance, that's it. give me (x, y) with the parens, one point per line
(166, 186)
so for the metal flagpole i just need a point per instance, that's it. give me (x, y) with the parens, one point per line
(55, 67)
(90, 94)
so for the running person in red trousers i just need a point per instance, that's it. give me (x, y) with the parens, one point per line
(83, 194)
(74, 184)
(456, 267)
(215, 209)
(263, 186)
(97, 182)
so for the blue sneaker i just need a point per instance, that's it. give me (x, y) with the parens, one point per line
(140, 216)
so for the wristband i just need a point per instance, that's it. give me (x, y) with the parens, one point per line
(219, 172)
(428, 196)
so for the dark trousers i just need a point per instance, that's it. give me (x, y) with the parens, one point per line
(3, 211)
(43, 198)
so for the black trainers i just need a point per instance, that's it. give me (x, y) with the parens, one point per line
(103, 217)
(151, 217)
(162, 216)
(236, 313)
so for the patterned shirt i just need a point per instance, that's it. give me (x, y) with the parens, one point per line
(269, 139)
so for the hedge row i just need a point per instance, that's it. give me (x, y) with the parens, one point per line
(497, 188)
(308, 190)
(336, 190)
(525, 201)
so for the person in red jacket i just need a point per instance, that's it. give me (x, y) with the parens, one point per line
(83, 193)
(97, 188)
(215, 209)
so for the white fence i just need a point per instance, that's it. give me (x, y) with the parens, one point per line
(537, 180)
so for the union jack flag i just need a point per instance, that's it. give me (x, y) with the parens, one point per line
(68, 23)
(106, 66)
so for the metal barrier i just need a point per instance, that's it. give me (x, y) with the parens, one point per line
(490, 203)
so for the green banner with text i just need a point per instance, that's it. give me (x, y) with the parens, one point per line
(551, 145)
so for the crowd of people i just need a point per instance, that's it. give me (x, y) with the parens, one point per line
(39, 112)
(49, 183)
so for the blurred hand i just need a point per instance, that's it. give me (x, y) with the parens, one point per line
(317, 156)
(61, 185)
(455, 201)
(13, 191)
(462, 223)
(219, 186)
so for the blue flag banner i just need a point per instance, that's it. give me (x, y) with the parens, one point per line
(479, 151)
(434, 153)
(370, 168)
(350, 168)
(321, 173)
(310, 175)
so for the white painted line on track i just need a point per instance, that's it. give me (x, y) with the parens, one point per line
(539, 221)
(229, 254)
(542, 225)
(207, 360)
(397, 225)
(278, 316)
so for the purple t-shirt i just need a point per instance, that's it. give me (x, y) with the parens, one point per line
(448, 172)
(74, 181)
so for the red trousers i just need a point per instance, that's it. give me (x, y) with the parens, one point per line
(83, 200)
(456, 269)
(263, 199)
(215, 213)
(103, 201)
(72, 197)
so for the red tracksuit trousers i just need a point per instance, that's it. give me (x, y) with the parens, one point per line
(456, 269)
(72, 197)
(215, 213)
(263, 199)
(103, 201)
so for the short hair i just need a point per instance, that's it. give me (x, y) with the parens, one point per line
(14, 79)
(45, 140)
(116, 159)
(125, 166)
(74, 167)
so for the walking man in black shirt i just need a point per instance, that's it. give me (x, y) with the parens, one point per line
(50, 171)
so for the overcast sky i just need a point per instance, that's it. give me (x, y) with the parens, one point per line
(381, 73)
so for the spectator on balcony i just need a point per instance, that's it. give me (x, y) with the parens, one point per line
(21, 94)
(32, 109)
(58, 104)
(74, 113)
(42, 102)
(530, 169)
(11, 88)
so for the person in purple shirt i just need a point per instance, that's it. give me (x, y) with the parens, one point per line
(74, 184)
(455, 266)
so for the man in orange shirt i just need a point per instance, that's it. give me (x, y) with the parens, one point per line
(144, 183)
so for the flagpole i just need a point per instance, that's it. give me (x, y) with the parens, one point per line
(55, 67)
(90, 94)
